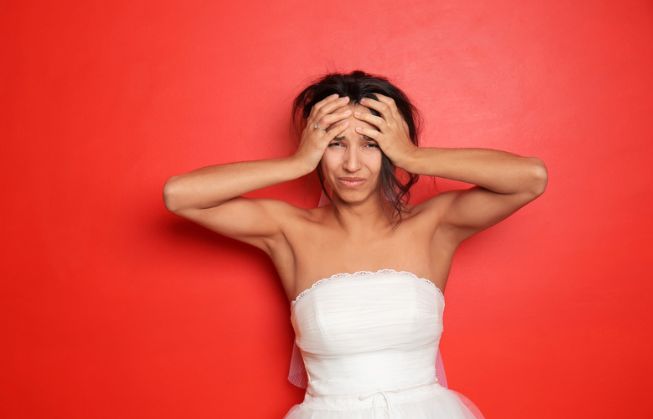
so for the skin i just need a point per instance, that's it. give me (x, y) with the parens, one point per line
(351, 154)
(322, 241)
(355, 234)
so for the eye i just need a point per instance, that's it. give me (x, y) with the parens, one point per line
(368, 145)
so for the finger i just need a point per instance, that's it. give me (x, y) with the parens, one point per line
(392, 105)
(332, 107)
(337, 128)
(372, 119)
(381, 107)
(385, 99)
(390, 102)
(332, 117)
(316, 107)
(327, 99)
(372, 133)
(325, 107)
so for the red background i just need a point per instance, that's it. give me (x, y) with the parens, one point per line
(114, 308)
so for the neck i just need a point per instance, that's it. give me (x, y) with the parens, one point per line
(363, 219)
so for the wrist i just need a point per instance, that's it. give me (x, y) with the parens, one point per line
(300, 165)
(407, 161)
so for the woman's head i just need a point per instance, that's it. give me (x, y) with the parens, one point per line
(353, 155)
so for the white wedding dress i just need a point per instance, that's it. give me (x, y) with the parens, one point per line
(368, 341)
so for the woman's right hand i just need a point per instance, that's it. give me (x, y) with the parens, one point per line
(314, 141)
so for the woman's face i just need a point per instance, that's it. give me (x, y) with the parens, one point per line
(353, 155)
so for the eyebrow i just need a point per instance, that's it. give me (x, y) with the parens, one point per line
(363, 137)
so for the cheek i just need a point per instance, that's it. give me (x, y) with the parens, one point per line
(375, 158)
(330, 158)
(330, 163)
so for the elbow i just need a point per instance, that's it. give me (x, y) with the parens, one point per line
(540, 175)
(168, 194)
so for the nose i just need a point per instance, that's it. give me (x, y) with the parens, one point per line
(352, 160)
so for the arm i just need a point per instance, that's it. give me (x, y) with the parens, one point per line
(504, 183)
(210, 196)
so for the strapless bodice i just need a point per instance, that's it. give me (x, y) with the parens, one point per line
(366, 275)
(368, 341)
(368, 331)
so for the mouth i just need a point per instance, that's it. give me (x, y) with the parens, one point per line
(351, 182)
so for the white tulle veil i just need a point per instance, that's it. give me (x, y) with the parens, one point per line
(297, 373)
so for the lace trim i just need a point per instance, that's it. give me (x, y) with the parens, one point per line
(362, 274)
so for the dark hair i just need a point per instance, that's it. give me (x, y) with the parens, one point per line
(357, 85)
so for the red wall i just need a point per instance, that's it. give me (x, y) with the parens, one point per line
(112, 307)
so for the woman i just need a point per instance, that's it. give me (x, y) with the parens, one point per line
(366, 272)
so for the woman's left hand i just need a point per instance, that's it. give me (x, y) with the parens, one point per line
(392, 132)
